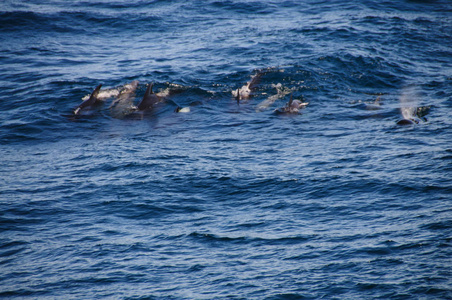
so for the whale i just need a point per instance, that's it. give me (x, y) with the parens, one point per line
(245, 92)
(123, 103)
(127, 92)
(149, 99)
(412, 114)
(90, 102)
(292, 107)
(376, 105)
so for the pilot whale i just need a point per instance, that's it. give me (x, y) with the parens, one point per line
(91, 101)
(245, 92)
(127, 92)
(123, 104)
(413, 115)
(149, 99)
(292, 107)
(376, 105)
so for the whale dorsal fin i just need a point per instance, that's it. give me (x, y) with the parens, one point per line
(291, 100)
(148, 91)
(89, 102)
(94, 94)
(148, 99)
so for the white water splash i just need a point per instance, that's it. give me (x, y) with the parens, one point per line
(409, 101)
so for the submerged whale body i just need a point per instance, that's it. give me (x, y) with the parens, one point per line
(123, 106)
(91, 101)
(126, 94)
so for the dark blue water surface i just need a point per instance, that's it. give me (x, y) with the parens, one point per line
(227, 201)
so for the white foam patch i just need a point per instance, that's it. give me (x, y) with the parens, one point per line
(105, 94)
(185, 110)
(165, 93)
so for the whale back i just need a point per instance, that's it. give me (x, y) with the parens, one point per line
(406, 122)
(290, 101)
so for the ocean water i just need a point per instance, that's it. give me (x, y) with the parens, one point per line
(229, 200)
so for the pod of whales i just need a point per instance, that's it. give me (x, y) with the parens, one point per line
(123, 103)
